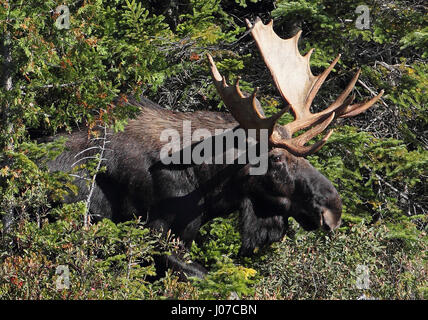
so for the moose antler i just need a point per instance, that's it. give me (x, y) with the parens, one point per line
(246, 110)
(297, 85)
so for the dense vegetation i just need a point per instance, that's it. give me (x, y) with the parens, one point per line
(57, 78)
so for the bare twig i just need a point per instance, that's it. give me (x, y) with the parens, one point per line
(85, 158)
(87, 149)
(402, 194)
(79, 177)
(372, 92)
(91, 189)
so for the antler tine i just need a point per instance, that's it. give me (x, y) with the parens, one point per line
(297, 145)
(339, 106)
(246, 110)
(320, 79)
(356, 109)
(345, 93)
(308, 135)
(300, 150)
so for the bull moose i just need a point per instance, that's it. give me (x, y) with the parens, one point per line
(182, 197)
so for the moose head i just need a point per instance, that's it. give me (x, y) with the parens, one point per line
(309, 197)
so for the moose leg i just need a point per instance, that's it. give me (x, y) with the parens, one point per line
(173, 261)
(184, 270)
(259, 229)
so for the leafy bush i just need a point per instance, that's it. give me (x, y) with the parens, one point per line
(321, 266)
(226, 280)
(105, 260)
(218, 239)
(218, 251)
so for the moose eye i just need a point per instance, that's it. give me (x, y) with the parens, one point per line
(276, 158)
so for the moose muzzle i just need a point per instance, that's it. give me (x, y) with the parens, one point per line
(330, 220)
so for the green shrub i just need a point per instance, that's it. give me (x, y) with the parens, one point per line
(218, 239)
(320, 266)
(226, 280)
(105, 260)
